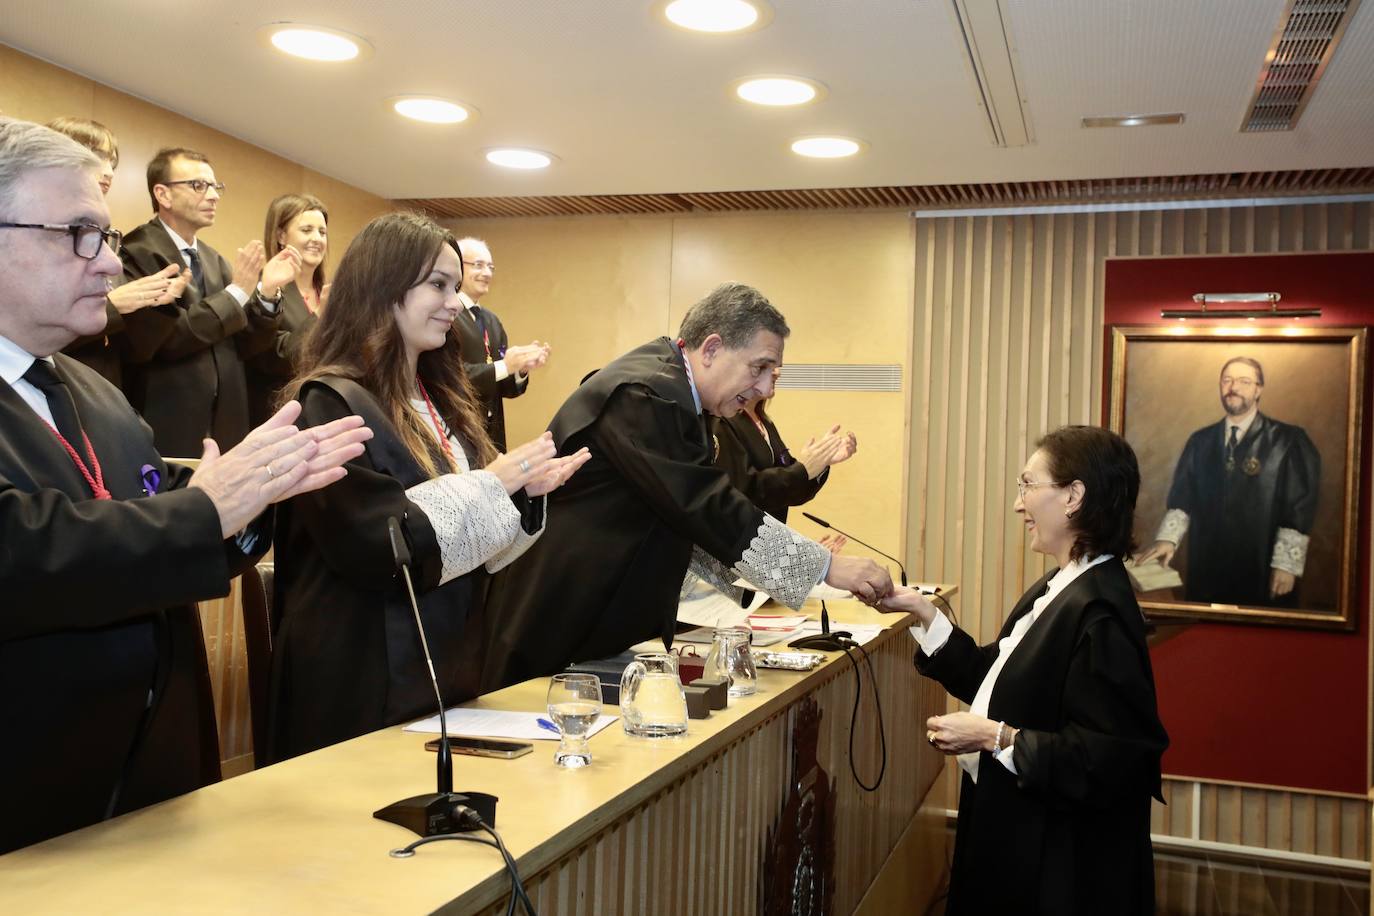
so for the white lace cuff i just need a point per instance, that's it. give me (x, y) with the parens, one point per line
(783, 563)
(706, 568)
(472, 517)
(1290, 551)
(1174, 527)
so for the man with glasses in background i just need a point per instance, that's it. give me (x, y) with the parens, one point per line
(184, 361)
(105, 701)
(496, 370)
(1245, 494)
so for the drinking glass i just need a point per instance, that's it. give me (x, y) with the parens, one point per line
(574, 705)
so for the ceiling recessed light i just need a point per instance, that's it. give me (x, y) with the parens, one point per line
(431, 110)
(778, 90)
(717, 15)
(1141, 120)
(313, 42)
(826, 147)
(515, 158)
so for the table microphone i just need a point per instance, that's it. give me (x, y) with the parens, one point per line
(824, 524)
(444, 811)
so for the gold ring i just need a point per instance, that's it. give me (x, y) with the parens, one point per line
(268, 469)
(930, 736)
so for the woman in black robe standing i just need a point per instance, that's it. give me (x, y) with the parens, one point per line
(1061, 746)
(346, 656)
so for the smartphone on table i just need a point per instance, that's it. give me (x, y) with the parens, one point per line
(483, 747)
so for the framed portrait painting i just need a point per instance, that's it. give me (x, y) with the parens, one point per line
(1249, 446)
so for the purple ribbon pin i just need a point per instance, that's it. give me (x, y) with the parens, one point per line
(151, 479)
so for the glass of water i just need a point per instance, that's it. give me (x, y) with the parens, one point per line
(574, 705)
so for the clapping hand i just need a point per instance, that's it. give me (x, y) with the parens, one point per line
(556, 472)
(524, 463)
(275, 462)
(525, 358)
(279, 271)
(160, 288)
(830, 448)
(248, 262)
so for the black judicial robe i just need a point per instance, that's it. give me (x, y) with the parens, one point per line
(183, 368)
(102, 351)
(482, 374)
(105, 698)
(766, 473)
(268, 370)
(1234, 516)
(620, 532)
(347, 659)
(1071, 833)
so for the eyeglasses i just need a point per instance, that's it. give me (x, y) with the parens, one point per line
(198, 185)
(480, 266)
(86, 237)
(1023, 485)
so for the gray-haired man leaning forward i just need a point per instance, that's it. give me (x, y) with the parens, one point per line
(650, 502)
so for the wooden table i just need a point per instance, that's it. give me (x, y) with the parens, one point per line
(691, 825)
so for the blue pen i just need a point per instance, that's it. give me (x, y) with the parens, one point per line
(547, 725)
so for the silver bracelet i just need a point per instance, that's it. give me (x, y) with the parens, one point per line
(997, 743)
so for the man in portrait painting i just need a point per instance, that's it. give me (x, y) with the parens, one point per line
(1245, 494)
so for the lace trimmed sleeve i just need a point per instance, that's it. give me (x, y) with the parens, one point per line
(473, 519)
(783, 563)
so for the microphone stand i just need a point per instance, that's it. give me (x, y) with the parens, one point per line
(824, 524)
(825, 640)
(444, 811)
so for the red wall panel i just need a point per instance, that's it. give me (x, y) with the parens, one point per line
(1270, 705)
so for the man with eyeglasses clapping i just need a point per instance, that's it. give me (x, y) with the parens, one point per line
(495, 369)
(184, 361)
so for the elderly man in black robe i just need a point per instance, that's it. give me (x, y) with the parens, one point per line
(650, 503)
(104, 694)
(1245, 494)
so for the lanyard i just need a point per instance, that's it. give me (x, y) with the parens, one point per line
(95, 481)
(438, 427)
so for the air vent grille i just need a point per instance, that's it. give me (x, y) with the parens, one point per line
(840, 377)
(1303, 44)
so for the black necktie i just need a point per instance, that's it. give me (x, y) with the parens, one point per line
(1231, 448)
(41, 376)
(197, 275)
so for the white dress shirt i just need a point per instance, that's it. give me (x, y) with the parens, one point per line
(232, 289)
(14, 362)
(933, 638)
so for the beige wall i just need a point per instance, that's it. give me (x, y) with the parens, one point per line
(32, 89)
(597, 286)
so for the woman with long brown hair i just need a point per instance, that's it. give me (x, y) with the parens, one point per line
(301, 222)
(347, 658)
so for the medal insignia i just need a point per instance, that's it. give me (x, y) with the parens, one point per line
(1252, 466)
(715, 448)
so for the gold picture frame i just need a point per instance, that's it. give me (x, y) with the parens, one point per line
(1166, 399)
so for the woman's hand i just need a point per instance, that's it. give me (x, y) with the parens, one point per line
(964, 733)
(524, 463)
(160, 288)
(833, 542)
(821, 452)
(909, 599)
(555, 473)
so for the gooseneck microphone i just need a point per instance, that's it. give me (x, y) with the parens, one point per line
(824, 524)
(443, 811)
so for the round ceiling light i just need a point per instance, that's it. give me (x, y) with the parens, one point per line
(516, 158)
(778, 91)
(717, 16)
(431, 110)
(826, 147)
(312, 42)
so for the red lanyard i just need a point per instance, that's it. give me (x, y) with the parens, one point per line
(434, 418)
(95, 481)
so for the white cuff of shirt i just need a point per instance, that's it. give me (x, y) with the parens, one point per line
(502, 373)
(933, 638)
(237, 292)
(1004, 757)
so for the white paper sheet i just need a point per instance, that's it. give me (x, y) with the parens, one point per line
(497, 723)
(705, 607)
